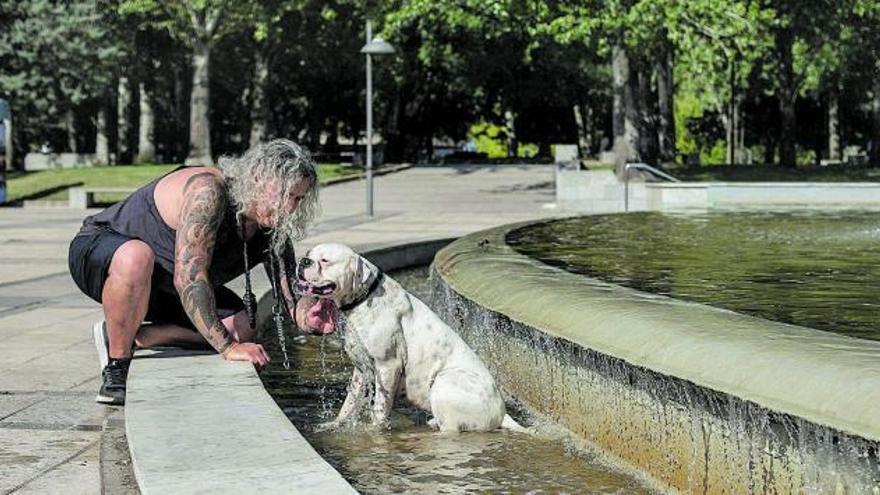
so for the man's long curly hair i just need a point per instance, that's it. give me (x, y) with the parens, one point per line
(281, 162)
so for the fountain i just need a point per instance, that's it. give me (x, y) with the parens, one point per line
(701, 399)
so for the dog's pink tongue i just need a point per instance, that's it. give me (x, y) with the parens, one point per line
(322, 316)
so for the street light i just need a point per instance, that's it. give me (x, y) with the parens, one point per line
(374, 46)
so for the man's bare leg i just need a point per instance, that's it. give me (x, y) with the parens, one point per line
(126, 295)
(174, 335)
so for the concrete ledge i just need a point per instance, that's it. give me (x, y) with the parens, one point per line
(700, 398)
(197, 424)
(601, 191)
(84, 197)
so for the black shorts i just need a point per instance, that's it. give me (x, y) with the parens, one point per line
(89, 260)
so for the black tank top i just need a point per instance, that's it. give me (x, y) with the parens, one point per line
(138, 217)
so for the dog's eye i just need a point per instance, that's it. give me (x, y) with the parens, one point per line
(322, 260)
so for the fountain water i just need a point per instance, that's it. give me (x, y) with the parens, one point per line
(412, 457)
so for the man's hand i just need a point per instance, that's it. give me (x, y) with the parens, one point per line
(247, 351)
(318, 316)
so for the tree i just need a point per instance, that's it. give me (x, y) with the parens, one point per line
(198, 24)
(59, 59)
(863, 42)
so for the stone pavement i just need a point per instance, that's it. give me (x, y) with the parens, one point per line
(51, 428)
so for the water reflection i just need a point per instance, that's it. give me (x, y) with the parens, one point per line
(815, 269)
(413, 458)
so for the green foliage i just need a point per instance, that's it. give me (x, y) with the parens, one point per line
(490, 139)
(55, 57)
(193, 21)
(687, 110)
(458, 62)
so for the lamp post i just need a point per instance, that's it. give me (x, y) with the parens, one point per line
(374, 46)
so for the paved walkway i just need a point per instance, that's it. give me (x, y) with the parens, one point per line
(50, 426)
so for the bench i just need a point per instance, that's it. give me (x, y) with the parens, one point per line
(84, 197)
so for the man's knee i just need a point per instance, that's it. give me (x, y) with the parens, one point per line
(133, 261)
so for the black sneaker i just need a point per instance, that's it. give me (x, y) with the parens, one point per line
(113, 377)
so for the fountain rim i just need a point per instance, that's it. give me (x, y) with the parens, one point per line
(827, 379)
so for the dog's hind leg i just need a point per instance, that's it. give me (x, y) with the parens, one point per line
(463, 401)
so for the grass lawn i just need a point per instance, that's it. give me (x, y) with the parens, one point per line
(53, 184)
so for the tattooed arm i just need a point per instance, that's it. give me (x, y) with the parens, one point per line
(202, 211)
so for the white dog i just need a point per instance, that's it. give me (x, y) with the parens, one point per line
(398, 345)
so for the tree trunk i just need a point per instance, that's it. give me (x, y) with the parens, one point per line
(70, 125)
(102, 143)
(146, 149)
(769, 150)
(394, 148)
(7, 138)
(123, 120)
(200, 110)
(833, 125)
(742, 152)
(625, 113)
(583, 119)
(332, 144)
(666, 105)
(730, 114)
(647, 122)
(875, 114)
(260, 116)
(737, 131)
(510, 125)
(787, 94)
(182, 110)
(316, 121)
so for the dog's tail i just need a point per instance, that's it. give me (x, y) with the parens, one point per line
(509, 423)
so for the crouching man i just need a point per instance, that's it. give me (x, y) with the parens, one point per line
(158, 261)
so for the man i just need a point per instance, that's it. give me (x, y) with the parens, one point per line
(163, 255)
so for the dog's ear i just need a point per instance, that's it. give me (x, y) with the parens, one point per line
(354, 270)
(365, 271)
(360, 271)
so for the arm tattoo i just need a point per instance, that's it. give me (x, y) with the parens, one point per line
(202, 211)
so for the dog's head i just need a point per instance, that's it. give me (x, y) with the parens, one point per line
(334, 271)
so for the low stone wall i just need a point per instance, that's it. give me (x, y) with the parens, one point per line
(703, 400)
(47, 161)
(596, 191)
(600, 191)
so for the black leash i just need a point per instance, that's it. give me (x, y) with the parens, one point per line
(250, 300)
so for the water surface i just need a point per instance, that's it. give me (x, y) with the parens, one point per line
(815, 269)
(413, 458)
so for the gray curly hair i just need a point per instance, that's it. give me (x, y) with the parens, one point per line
(280, 162)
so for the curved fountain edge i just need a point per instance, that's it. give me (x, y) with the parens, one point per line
(185, 436)
(828, 384)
